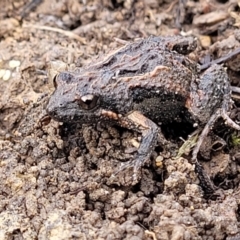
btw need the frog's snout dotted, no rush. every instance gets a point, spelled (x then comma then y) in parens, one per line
(54, 105)
(50, 108)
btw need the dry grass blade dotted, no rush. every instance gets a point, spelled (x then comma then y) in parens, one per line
(235, 89)
(188, 144)
(235, 92)
(58, 30)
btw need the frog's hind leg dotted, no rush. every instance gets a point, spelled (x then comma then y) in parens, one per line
(203, 177)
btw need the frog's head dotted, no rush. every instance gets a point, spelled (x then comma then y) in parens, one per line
(71, 101)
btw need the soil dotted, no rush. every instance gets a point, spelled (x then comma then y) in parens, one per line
(56, 178)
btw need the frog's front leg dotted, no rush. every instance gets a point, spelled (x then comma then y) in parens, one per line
(137, 121)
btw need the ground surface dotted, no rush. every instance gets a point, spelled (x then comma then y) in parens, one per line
(55, 178)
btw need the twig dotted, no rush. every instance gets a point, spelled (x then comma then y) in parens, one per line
(169, 9)
(235, 89)
(58, 30)
(222, 59)
(29, 7)
(121, 41)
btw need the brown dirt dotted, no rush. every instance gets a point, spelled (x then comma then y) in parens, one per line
(55, 177)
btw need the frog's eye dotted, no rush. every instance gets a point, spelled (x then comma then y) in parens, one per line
(88, 102)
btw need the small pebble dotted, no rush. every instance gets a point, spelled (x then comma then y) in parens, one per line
(2, 72)
(205, 41)
(6, 75)
(14, 63)
(158, 161)
(135, 143)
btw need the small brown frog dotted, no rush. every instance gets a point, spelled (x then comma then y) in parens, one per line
(143, 83)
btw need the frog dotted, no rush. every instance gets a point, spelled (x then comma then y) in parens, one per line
(142, 86)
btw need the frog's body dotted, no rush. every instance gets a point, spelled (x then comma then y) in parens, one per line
(141, 83)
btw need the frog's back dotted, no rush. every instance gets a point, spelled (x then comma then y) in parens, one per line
(138, 76)
(147, 64)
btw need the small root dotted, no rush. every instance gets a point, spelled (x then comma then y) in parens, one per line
(58, 30)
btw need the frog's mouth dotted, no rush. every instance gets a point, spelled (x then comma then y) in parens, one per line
(71, 112)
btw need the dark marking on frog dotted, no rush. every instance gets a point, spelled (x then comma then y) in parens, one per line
(144, 82)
